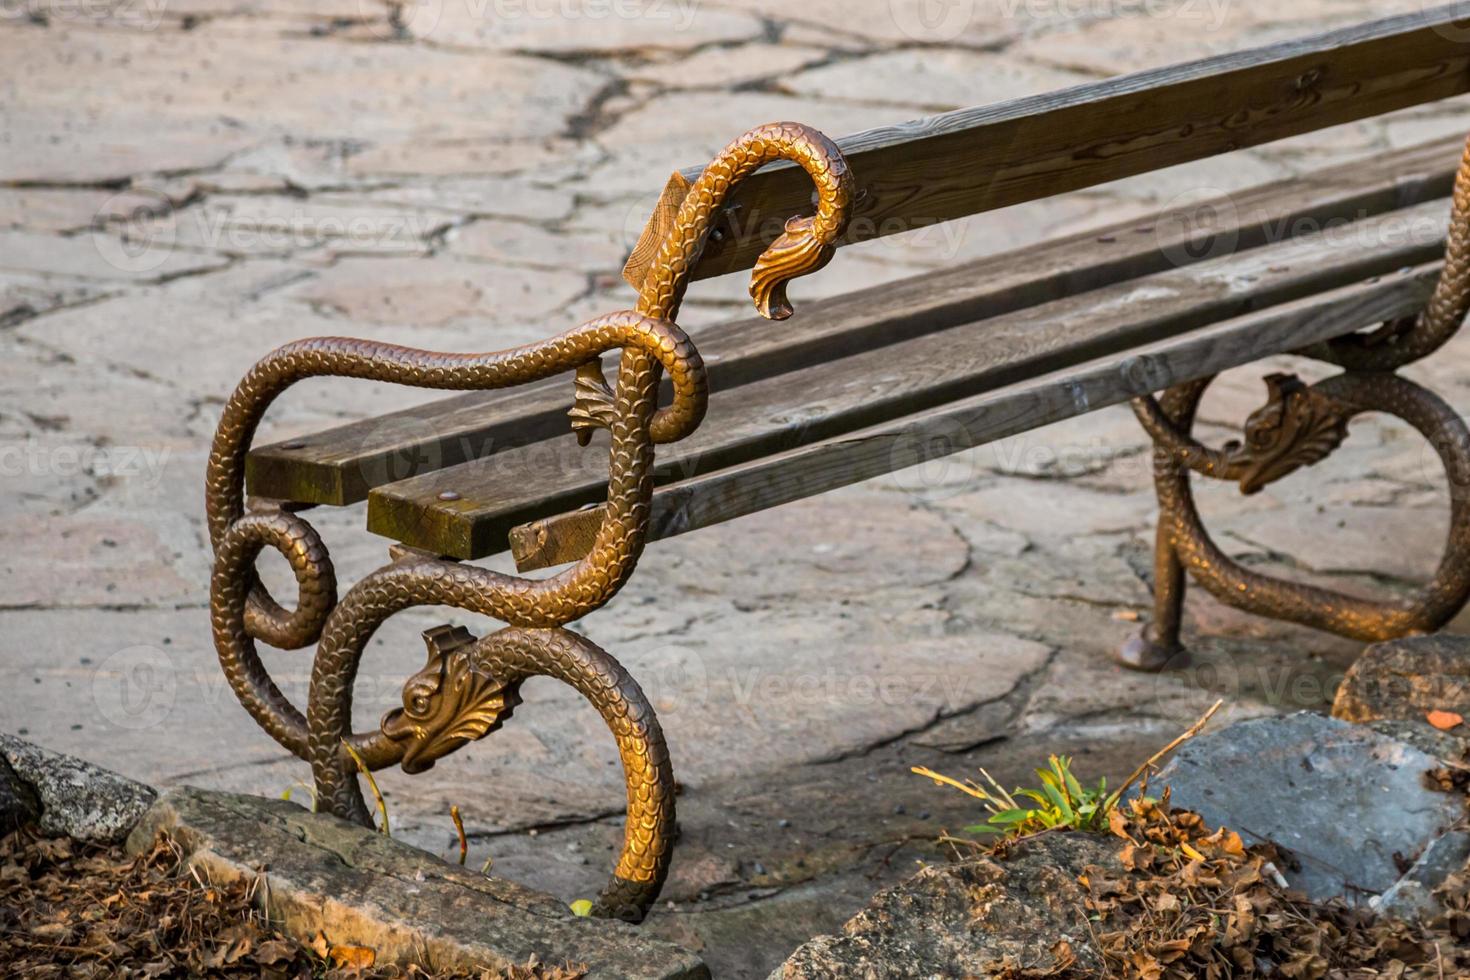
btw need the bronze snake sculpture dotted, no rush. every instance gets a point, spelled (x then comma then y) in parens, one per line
(1298, 426)
(469, 686)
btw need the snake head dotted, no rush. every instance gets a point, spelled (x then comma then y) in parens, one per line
(450, 702)
(1298, 426)
(803, 248)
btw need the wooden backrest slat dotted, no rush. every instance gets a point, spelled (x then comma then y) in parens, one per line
(972, 160)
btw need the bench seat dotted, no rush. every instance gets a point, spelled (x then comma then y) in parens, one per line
(981, 342)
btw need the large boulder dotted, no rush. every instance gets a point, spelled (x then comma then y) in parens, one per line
(969, 918)
(1405, 679)
(74, 798)
(18, 803)
(362, 888)
(1349, 803)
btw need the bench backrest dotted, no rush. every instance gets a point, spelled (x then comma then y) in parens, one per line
(964, 162)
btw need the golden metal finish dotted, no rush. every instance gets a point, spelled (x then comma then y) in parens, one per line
(1299, 425)
(452, 701)
(468, 687)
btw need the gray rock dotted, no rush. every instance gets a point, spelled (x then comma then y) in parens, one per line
(18, 804)
(1411, 897)
(1423, 736)
(1404, 679)
(362, 888)
(76, 798)
(1343, 799)
(967, 918)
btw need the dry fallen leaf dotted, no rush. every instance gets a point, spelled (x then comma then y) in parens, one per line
(1444, 720)
(353, 957)
(274, 951)
(150, 917)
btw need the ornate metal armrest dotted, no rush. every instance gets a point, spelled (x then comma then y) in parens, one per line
(469, 686)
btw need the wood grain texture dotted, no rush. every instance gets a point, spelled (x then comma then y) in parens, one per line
(964, 424)
(341, 465)
(491, 496)
(960, 163)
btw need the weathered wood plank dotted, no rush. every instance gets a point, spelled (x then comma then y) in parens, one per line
(960, 425)
(490, 496)
(341, 465)
(971, 160)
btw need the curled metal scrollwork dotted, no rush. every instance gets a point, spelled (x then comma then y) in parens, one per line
(468, 689)
(469, 686)
(1300, 425)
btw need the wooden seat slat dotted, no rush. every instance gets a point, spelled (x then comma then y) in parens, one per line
(490, 496)
(341, 465)
(1011, 410)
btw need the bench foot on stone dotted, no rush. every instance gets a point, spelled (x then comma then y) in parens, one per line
(318, 874)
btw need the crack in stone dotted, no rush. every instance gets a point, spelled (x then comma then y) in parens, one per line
(26, 313)
(1270, 555)
(550, 826)
(940, 715)
(231, 766)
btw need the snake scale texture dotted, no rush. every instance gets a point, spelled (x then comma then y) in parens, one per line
(1298, 426)
(468, 687)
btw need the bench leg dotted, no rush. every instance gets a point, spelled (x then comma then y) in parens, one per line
(468, 688)
(1298, 426)
(1156, 645)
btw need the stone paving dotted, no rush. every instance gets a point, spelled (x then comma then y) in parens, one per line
(185, 184)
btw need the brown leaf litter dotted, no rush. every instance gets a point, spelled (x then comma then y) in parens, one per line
(1195, 902)
(74, 910)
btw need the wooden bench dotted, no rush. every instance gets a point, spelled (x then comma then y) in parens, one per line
(758, 412)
